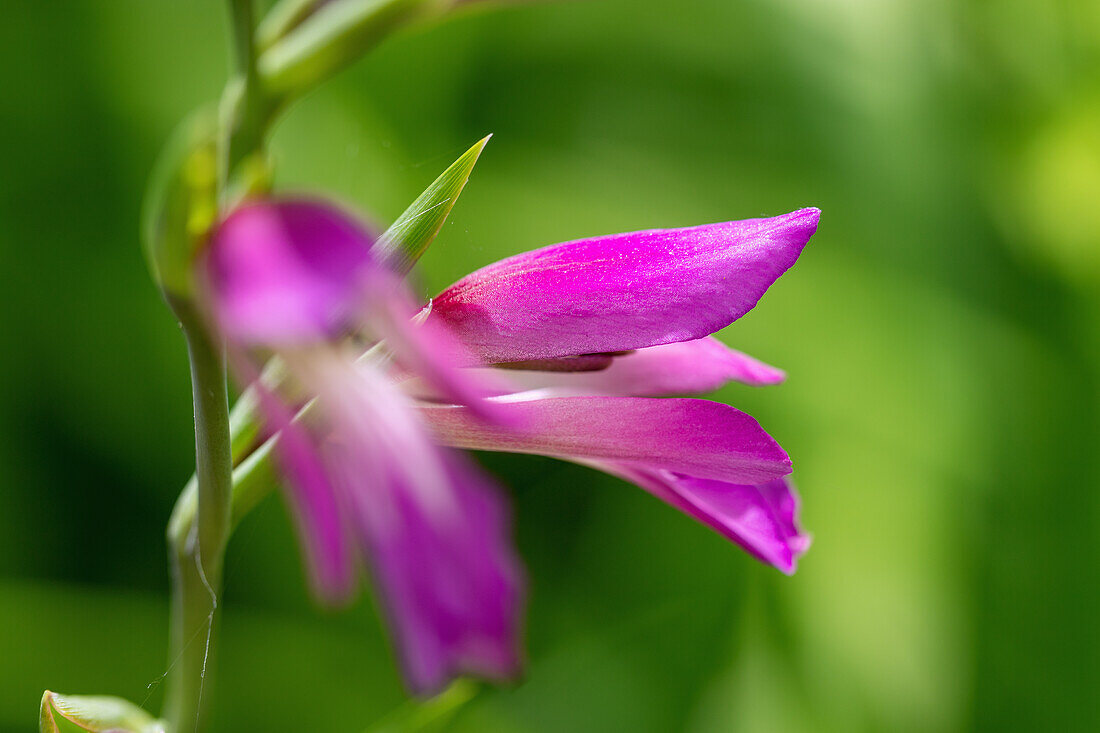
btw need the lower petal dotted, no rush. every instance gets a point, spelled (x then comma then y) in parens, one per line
(432, 529)
(449, 581)
(316, 506)
(690, 436)
(761, 518)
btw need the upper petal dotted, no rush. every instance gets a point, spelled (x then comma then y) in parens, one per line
(285, 271)
(624, 291)
(690, 436)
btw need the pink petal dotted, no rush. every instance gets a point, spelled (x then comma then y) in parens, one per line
(315, 504)
(286, 271)
(433, 530)
(450, 582)
(763, 519)
(694, 437)
(624, 291)
(686, 367)
(427, 350)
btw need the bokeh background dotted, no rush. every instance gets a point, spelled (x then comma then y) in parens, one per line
(940, 332)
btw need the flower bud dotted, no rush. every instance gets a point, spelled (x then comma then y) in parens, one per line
(74, 713)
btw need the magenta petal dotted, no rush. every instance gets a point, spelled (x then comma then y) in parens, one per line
(316, 508)
(687, 367)
(285, 271)
(317, 515)
(434, 532)
(690, 436)
(448, 579)
(429, 351)
(622, 292)
(763, 518)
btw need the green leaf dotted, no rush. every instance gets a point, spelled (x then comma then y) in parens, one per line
(80, 714)
(408, 237)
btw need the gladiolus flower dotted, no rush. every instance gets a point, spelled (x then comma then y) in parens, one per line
(647, 303)
(589, 333)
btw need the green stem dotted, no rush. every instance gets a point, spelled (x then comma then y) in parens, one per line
(284, 17)
(197, 549)
(253, 480)
(241, 18)
(197, 546)
(248, 109)
(247, 115)
(218, 496)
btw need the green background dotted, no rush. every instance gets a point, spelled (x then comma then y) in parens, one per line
(940, 334)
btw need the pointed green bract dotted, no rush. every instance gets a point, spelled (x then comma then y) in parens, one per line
(408, 237)
(80, 714)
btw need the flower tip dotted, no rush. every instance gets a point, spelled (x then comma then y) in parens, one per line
(780, 459)
(767, 375)
(791, 232)
(797, 546)
(476, 148)
(805, 219)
